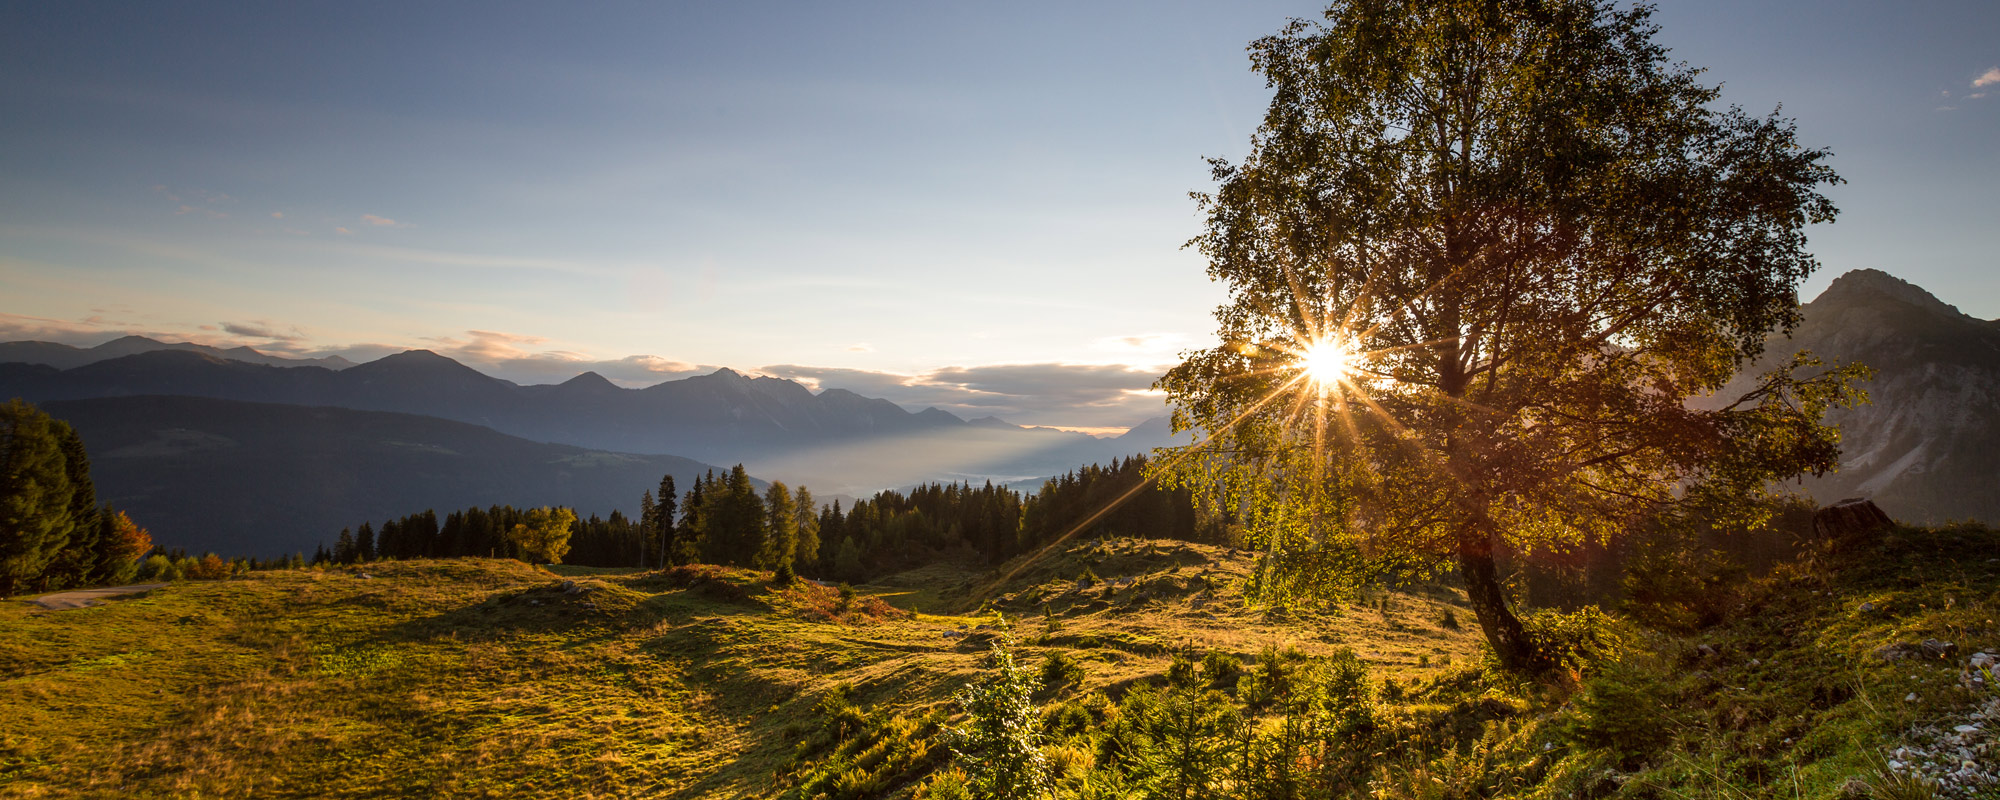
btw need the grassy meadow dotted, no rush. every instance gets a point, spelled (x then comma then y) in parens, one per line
(493, 678)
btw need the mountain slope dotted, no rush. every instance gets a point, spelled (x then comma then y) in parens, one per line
(1927, 446)
(266, 479)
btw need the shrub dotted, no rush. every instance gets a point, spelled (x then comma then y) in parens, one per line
(160, 568)
(1603, 718)
(999, 746)
(211, 567)
(1222, 669)
(1060, 673)
(1578, 641)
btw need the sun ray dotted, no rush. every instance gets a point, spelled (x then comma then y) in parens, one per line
(1143, 485)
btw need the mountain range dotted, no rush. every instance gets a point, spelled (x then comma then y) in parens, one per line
(835, 440)
(62, 356)
(183, 434)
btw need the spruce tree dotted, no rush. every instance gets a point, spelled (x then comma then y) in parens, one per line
(781, 528)
(1000, 745)
(805, 553)
(649, 519)
(665, 531)
(35, 495)
(693, 526)
(364, 544)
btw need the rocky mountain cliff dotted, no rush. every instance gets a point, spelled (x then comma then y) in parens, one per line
(1927, 446)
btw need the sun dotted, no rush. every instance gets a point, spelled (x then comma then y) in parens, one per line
(1326, 362)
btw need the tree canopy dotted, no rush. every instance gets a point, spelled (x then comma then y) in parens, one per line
(543, 534)
(1479, 258)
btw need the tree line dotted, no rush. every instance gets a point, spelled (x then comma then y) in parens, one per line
(724, 519)
(53, 534)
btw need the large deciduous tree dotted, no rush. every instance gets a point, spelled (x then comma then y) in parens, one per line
(1481, 254)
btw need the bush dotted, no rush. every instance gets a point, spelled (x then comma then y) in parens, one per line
(1603, 716)
(211, 567)
(160, 568)
(1060, 673)
(1222, 669)
(1578, 641)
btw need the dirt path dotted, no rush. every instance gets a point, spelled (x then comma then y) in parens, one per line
(90, 597)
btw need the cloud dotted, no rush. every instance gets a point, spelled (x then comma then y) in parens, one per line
(519, 358)
(1095, 396)
(383, 222)
(343, 231)
(261, 330)
(193, 201)
(277, 215)
(860, 348)
(1989, 78)
(98, 329)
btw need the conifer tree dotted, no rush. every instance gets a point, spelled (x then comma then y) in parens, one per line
(120, 545)
(343, 549)
(77, 564)
(36, 494)
(666, 532)
(649, 520)
(364, 544)
(781, 528)
(1000, 745)
(847, 561)
(806, 552)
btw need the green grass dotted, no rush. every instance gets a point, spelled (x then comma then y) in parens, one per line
(482, 678)
(474, 677)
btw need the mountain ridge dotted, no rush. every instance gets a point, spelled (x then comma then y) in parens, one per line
(836, 439)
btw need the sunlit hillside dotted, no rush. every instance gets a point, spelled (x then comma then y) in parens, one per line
(482, 678)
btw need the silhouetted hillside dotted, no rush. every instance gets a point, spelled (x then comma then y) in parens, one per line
(265, 479)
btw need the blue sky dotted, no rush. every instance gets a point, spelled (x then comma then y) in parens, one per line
(975, 206)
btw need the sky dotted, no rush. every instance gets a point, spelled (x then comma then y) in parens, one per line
(979, 207)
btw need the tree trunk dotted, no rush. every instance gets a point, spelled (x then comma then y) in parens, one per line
(1489, 602)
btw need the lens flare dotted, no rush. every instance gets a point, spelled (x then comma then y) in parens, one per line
(1327, 362)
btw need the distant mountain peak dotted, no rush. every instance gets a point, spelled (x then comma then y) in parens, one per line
(589, 380)
(1861, 284)
(415, 356)
(991, 421)
(935, 414)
